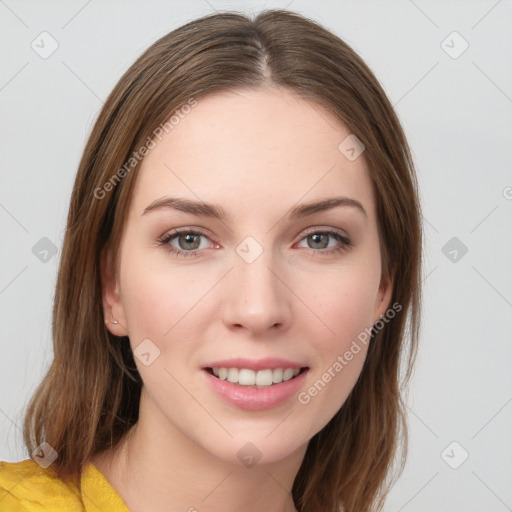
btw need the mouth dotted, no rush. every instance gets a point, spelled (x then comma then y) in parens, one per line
(251, 379)
(255, 385)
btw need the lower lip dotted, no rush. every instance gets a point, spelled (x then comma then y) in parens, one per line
(253, 399)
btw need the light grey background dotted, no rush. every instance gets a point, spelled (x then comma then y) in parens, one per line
(457, 116)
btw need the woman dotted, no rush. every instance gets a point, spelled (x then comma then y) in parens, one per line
(241, 257)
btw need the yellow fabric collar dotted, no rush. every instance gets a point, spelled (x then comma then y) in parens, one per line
(27, 487)
(98, 494)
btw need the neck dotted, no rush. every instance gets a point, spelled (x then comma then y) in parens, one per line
(156, 466)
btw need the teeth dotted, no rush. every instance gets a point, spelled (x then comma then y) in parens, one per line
(264, 378)
(288, 374)
(246, 377)
(233, 375)
(277, 375)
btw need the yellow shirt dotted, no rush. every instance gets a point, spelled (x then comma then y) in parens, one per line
(27, 487)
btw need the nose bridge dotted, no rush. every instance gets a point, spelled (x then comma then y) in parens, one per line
(257, 299)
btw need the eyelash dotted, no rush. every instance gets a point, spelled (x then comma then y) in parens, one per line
(166, 239)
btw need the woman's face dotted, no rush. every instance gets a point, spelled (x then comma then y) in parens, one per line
(264, 274)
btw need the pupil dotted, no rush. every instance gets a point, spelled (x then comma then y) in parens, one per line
(188, 239)
(316, 240)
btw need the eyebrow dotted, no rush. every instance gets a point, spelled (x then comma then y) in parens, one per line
(203, 209)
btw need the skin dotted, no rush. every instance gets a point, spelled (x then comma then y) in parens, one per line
(257, 154)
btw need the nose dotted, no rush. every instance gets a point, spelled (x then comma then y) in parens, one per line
(256, 297)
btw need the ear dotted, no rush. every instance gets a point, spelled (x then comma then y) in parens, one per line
(384, 295)
(112, 305)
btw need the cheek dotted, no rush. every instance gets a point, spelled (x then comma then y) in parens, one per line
(352, 310)
(344, 303)
(156, 299)
(347, 313)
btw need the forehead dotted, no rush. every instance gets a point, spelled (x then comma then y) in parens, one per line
(251, 149)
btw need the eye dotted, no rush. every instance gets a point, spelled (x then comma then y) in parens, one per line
(320, 241)
(188, 242)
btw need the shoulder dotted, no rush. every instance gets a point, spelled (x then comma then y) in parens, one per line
(27, 487)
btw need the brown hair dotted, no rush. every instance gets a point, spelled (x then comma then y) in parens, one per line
(90, 396)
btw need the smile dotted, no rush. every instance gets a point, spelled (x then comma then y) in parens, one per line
(255, 379)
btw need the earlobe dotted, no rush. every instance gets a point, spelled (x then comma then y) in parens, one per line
(112, 306)
(112, 319)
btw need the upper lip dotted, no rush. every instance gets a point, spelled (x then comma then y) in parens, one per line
(255, 364)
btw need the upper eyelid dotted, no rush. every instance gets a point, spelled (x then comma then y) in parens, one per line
(329, 230)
